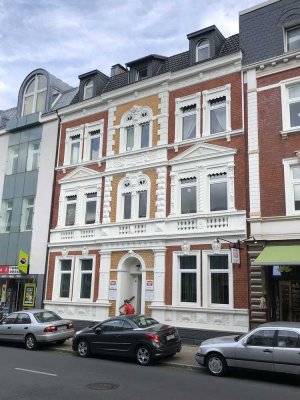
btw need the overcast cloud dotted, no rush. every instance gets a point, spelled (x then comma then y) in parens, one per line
(71, 37)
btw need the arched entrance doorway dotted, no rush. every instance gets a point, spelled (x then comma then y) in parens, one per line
(131, 281)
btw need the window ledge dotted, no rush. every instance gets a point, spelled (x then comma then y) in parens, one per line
(290, 131)
(207, 137)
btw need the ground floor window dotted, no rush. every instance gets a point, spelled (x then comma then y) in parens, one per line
(188, 279)
(86, 274)
(219, 279)
(65, 278)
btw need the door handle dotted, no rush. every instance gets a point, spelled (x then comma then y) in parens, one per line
(268, 351)
(26, 327)
(117, 336)
(9, 327)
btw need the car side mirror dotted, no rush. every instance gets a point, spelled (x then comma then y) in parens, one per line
(98, 330)
(244, 343)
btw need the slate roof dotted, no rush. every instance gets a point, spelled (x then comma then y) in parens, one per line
(65, 99)
(6, 115)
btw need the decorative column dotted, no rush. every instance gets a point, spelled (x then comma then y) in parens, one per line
(159, 276)
(104, 272)
(231, 197)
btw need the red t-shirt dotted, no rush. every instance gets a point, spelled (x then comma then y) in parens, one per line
(129, 309)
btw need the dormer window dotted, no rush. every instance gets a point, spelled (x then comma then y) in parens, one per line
(293, 38)
(35, 95)
(88, 90)
(142, 73)
(202, 50)
(55, 96)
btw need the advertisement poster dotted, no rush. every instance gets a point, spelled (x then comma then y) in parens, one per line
(3, 293)
(29, 294)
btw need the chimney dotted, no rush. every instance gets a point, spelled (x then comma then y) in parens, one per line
(117, 70)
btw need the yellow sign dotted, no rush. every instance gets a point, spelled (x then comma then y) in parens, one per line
(23, 262)
(29, 295)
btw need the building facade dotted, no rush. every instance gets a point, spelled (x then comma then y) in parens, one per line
(150, 191)
(270, 41)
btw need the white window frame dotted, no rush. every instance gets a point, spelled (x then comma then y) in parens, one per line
(57, 279)
(71, 133)
(202, 44)
(12, 154)
(77, 278)
(87, 86)
(180, 103)
(223, 178)
(134, 187)
(73, 201)
(136, 117)
(288, 164)
(87, 200)
(25, 207)
(88, 130)
(30, 154)
(285, 103)
(35, 93)
(176, 294)
(188, 184)
(286, 29)
(212, 94)
(206, 278)
(4, 211)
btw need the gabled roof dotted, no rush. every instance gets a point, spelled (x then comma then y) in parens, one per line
(6, 115)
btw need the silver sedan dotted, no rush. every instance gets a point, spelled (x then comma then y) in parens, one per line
(271, 347)
(34, 327)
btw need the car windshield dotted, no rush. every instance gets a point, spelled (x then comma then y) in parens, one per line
(239, 337)
(144, 322)
(46, 316)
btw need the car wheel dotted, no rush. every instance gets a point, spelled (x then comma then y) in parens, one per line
(62, 341)
(216, 364)
(83, 348)
(30, 342)
(143, 355)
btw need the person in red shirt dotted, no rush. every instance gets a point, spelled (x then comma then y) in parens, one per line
(128, 308)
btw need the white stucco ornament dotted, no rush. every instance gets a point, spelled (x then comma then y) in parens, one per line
(85, 251)
(64, 252)
(185, 247)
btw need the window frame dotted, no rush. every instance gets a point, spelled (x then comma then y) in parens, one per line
(209, 95)
(285, 104)
(4, 211)
(71, 201)
(57, 279)
(24, 215)
(286, 43)
(72, 133)
(78, 278)
(289, 183)
(87, 200)
(188, 184)
(10, 160)
(35, 94)
(201, 46)
(206, 273)
(176, 277)
(223, 178)
(180, 103)
(30, 155)
(88, 85)
(89, 128)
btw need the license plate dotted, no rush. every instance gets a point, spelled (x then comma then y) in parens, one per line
(170, 337)
(62, 328)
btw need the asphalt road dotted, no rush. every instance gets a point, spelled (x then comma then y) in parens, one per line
(46, 374)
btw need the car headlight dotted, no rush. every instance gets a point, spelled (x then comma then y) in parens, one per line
(200, 350)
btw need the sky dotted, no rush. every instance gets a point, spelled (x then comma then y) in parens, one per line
(71, 37)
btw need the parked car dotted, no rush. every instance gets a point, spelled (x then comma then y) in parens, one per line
(34, 327)
(133, 336)
(270, 347)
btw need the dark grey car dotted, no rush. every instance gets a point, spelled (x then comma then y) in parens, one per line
(271, 347)
(34, 327)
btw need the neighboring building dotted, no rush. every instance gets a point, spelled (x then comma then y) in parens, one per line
(151, 170)
(270, 42)
(28, 142)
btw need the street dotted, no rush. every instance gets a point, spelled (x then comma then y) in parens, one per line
(47, 374)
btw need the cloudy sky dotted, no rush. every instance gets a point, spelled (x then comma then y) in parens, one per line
(71, 37)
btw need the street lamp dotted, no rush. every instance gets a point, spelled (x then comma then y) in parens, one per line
(216, 245)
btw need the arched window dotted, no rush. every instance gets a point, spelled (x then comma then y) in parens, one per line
(35, 95)
(136, 129)
(88, 90)
(134, 195)
(202, 50)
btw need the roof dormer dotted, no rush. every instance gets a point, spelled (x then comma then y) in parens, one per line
(145, 67)
(205, 44)
(91, 84)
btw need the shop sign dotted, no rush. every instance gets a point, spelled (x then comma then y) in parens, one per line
(9, 270)
(149, 284)
(235, 256)
(113, 284)
(29, 294)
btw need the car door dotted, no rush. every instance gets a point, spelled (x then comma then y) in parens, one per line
(107, 341)
(124, 337)
(256, 351)
(287, 352)
(21, 326)
(6, 327)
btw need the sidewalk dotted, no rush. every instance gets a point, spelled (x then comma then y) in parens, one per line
(184, 359)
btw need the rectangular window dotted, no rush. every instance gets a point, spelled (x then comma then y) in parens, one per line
(218, 115)
(95, 147)
(296, 186)
(219, 279)
(142, 204)
(71, 210)
(142, 73)
(294, 105)
(7, 207)
(188, 279)
(86, 274)
(75, 148)
(27, 214)
(188, 195)
(33, 156)
(145, 135)
(12, 160)
(65, 278)
(293, 38)
(188, 122)
(91, 204)
(127, 205)
(130, 138)
(218, 192)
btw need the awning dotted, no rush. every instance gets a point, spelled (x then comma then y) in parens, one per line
(279, 255)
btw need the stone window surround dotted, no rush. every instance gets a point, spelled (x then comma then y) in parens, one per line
(285, 111)
(288, 183)
(186, 101)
